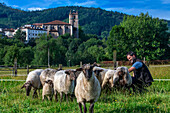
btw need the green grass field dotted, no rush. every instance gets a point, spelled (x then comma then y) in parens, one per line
(155, 100)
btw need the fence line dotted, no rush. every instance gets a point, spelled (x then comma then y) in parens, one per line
(159, 66)
(10, 80)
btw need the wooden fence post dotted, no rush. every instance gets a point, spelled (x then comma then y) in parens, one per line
(60, 66)
(114, 59)
(81, 64)
(27, 69)
(15, 67)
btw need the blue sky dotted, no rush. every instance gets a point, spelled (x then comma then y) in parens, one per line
(155, 8)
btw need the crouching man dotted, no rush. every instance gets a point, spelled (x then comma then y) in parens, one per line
(141, 77)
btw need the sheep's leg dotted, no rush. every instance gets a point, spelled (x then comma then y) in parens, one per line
(91, 107)
(51, 97)
(67, 98)
(80, 106)
(61, 96)
(42, 97)
(39, 92)
(35, 93)
(56, 96)
(71, 97)
(48, 97)
(84, 105)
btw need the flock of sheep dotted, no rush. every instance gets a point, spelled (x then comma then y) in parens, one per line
(85, 82)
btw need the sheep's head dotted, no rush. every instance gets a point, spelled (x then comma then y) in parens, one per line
(28, 87)
(50, 83)
(87, 70)
(71, 73)
(122, 74)
(97, 71)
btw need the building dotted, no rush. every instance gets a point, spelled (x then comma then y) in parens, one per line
(9, 32)
(54, 28)
(57, 28)
(32, 33)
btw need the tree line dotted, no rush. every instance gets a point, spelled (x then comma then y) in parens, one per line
(146, 36)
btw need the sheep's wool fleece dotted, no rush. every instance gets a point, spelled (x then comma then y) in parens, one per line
(62, 82)
(47, 89)
(34, 77)
(87, 90)
(47, 74)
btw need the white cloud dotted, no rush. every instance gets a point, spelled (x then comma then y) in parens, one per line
(87, 3)
(165, 1)
(15, 6)
(162, 14)
(35, 8)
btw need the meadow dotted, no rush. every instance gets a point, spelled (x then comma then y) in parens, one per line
(155, 99)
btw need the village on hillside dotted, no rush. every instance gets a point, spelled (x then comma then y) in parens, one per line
(54, 28)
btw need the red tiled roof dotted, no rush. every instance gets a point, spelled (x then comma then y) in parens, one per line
(38, 24)
(56, 22)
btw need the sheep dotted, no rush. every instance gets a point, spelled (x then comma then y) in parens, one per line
(33, 80)
(88, 88)
(122, 77)
(108, 78)
(64, 83)
(48, 90)
(47, 74)
(100, 73)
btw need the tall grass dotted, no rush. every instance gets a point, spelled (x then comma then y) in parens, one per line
(156, 99)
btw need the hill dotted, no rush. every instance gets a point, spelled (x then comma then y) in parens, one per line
(92, 20)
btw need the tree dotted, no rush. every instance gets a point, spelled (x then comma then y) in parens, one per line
(72, 49)
(20, 35)
(143, 34)
(56, 49)
(12, 53)
(26, 56)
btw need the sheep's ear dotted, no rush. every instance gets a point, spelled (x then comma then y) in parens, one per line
(101, 70)
(95, 64)
(79, 69)
(67, 72)
(23, 86)
(46, 81)
(59, 69)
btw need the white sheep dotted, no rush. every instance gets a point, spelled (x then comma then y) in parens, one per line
(48, 90)
(33, 80)
(100, 73)
(108, 78)
(47, 74)
(64, 82)
(122, 77)
(88, 88)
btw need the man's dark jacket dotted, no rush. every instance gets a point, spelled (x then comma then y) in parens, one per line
(143, 74)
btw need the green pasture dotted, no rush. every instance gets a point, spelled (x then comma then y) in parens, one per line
(155, 100)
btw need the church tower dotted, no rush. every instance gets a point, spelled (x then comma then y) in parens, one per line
(73, 20)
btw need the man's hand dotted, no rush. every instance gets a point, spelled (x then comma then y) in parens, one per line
(131, 69)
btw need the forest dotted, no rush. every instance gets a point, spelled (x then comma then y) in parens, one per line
(100, 34)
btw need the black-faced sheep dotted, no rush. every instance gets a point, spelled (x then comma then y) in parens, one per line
(88, 88)
(33, 80)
